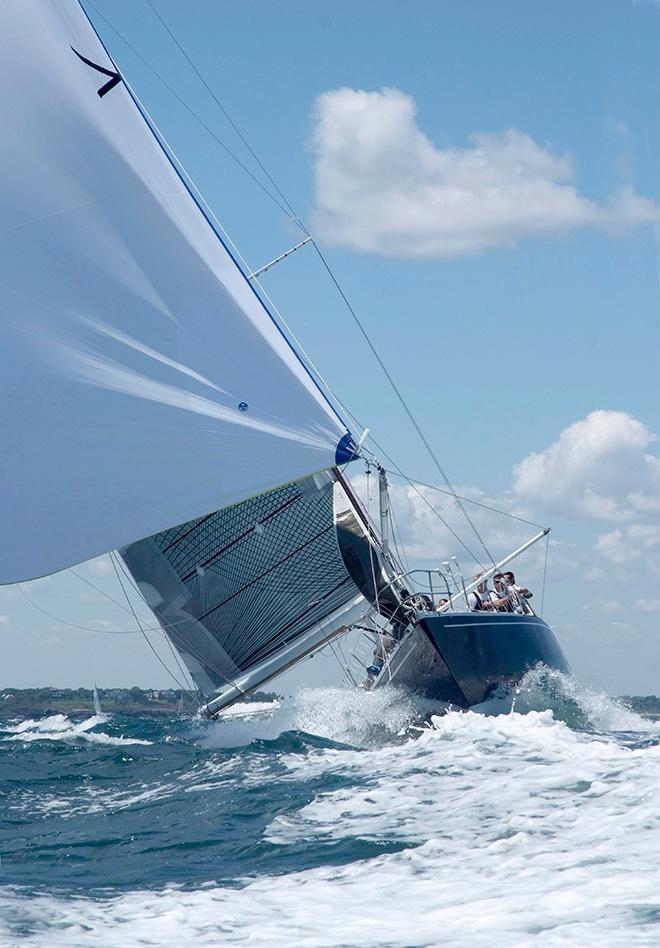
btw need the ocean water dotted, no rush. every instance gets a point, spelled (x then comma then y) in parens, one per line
(336, 818)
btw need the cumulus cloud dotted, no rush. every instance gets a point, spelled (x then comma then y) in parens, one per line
(598, 468)
(382, 186)
(622, 546)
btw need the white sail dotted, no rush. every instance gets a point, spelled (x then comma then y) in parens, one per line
(97, 701)
(143, 382)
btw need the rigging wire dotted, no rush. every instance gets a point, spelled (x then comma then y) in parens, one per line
(88, 628)
(399, 548)
(467, 500)
(222, 108)
(196, 653)
(74, 625)
(188, 108)
(139, 592)
(321, 256)
(98, 589)
(400, 397)
(428, 503)
(144, 634)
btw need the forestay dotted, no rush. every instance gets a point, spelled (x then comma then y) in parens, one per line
(143, 382)
(247, 590)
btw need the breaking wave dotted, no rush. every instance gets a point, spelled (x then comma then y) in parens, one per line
(59, 727)
(570, 701)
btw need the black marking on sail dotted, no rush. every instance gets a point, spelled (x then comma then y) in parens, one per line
(115, 78)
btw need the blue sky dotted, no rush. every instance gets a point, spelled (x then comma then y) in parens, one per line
(484, 178)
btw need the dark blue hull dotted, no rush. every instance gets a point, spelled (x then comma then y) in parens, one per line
(462, 658)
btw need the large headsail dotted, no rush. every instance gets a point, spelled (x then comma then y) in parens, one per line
(247, 591)
(143, 382)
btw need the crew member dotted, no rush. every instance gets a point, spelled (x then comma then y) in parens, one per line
(518, 594)
(479, 599)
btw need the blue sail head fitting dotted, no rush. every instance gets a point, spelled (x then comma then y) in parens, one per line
(346, 449)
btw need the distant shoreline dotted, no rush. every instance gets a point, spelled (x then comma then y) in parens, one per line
(35, 702)
(155, 702)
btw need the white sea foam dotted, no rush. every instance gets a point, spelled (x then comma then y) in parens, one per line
(346, 715)
(251, 708)
(545, 688)
(515, 829)
(58, 727)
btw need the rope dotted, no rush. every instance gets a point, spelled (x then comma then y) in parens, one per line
(222, 108)
(545, 571)
(137, 589)
(188, 108)
(83, 628)
(144, 634)
(400, 551)
(401, 399)
(468, 500)
(203, 660)
(101, 592)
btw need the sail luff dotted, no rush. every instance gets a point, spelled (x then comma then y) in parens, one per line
(192, 191)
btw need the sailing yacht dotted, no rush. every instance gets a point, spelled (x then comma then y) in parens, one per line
(156, 407)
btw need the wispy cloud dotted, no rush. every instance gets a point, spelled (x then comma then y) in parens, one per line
(382, 186)
(647, 605)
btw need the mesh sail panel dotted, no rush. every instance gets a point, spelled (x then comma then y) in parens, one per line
(234, 587)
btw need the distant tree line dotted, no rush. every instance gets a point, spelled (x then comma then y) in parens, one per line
(39, 701)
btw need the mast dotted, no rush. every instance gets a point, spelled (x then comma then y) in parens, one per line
(384, 508)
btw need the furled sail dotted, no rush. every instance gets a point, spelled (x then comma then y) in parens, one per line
(143, 382)
(246, 591)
